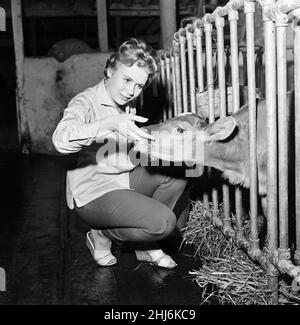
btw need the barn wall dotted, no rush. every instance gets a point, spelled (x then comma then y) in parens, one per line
(48, 87)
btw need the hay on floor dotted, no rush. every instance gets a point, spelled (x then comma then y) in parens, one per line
(227, 276)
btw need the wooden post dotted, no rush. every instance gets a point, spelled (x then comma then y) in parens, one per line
(2, 279)
(102, 25)
(168, 23)
(2, 20)
(17, 24)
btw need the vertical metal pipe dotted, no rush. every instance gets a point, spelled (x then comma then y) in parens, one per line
(200, 80)
(209, 70)
(297, 133)
(233, 17)
(189, 37)
(205, 199)
(169, 85)
(199, 61)
(271, 110)
(163, 85)
(182, 42)
(176, 51)
(220, 23)
(271, 114)
(249, 9)
(281, 27)
(175, 98)
(210, 86)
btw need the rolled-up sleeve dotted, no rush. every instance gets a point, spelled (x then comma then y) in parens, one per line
(75, 130)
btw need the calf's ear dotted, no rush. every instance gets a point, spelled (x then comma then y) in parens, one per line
(221, 129)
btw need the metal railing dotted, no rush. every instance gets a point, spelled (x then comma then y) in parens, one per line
(189, 70)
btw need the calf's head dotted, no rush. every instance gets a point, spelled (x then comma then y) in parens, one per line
(183, 138)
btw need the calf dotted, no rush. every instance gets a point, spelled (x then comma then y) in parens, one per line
(224, 143)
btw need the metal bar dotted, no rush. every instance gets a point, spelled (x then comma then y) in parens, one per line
(255, 255)
(284, 6)
(249, 9)
(271, 113)
(271, 110)
(163, 84)
(209, 70)
(220, 23)
(199, 58)
(235, 4)
(200, 82)
(222, 11)
(182, 42)
(265, 260)
(210, 87)
(176, 52)
(281, 27)
(169, 85)
(175, 97)
(280, 7)
(190, 40)
(297, 133)
(233, 18)
(276, 257)
(205, 198)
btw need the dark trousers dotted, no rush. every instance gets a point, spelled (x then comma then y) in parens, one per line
(140, 215)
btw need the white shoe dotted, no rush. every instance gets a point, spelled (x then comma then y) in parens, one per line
(156, 257)
(103, 257)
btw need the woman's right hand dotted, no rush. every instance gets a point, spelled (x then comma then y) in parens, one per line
(125, 126)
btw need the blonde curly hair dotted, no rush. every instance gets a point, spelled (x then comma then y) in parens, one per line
(135, 51)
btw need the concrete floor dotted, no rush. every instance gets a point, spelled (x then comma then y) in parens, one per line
(42, 248)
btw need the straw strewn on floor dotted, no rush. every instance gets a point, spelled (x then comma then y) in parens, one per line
(227, 276)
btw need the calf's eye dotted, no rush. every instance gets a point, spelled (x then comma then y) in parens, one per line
(180, 130)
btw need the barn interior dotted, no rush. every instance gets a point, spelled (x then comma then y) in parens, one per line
(49, 52)
(42, 246)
